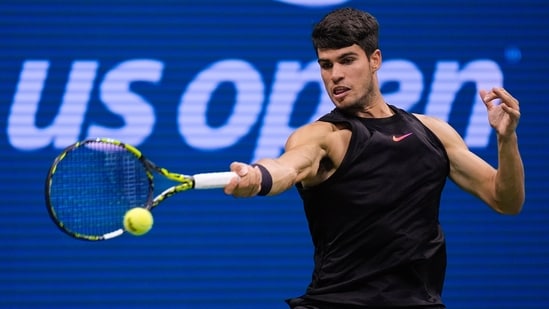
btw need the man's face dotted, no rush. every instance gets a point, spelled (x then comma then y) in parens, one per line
(348, 75)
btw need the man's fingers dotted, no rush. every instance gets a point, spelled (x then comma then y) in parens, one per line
(507, 98)
(241, 169)
(513, 112)
(487, 98)
(247, 184)
(499, 93)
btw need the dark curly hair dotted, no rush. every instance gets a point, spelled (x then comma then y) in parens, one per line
(345, 27)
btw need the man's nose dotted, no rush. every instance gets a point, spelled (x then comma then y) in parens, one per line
(337, 73)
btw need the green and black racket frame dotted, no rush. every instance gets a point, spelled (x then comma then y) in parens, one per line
(93, 183)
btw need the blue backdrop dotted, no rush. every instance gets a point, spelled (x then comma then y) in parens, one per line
(198, 85)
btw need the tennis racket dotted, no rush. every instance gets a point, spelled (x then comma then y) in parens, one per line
(93, 183)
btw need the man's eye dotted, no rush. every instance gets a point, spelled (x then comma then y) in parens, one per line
(326, 66)
(347, 60)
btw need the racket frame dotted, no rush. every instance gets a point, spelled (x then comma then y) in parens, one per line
(184, 183)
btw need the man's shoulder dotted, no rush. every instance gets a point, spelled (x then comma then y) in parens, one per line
(433, 123)
(316, 128)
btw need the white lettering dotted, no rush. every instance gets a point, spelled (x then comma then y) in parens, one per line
(192, 118)
(137, 113)
(409, 79)
(448, 80)
(22, 131)
(289, 80)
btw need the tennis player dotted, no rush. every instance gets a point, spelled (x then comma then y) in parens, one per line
(371, 175)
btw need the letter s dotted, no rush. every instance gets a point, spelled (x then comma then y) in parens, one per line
(138, 114)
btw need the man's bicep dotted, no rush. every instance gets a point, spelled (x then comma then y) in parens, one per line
(304, 159)
(306, 148)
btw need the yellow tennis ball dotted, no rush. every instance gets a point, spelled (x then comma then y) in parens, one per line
(138, 221)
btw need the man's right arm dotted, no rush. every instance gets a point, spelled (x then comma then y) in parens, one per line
(304, 150)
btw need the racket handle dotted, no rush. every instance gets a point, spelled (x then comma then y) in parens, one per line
(213, 180)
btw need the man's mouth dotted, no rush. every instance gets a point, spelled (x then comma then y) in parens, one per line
(340, 91)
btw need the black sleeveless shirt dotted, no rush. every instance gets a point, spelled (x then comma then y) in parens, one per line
(374, 222)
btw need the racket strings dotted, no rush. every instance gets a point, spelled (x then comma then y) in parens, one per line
(94, 185)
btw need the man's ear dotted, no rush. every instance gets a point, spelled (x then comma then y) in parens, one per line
(375, 59)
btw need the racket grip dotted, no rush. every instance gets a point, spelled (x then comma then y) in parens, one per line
(212, 180)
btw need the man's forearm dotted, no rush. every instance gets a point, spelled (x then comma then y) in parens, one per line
(510, 192)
